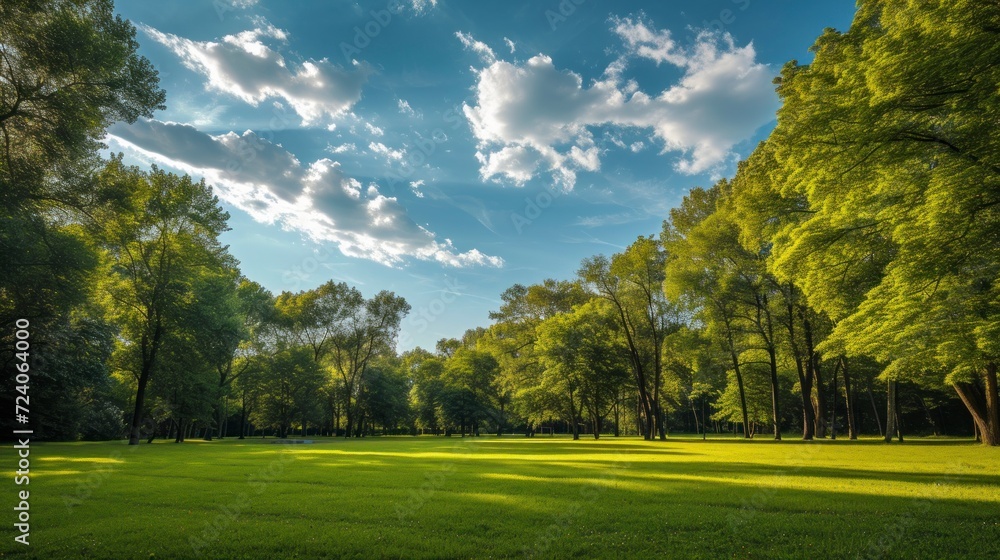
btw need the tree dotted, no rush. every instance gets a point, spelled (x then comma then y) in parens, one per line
(632, 281)
(368, 330)
(68, 69)
(163, 235)
(583, 358)
(385, 396)
(512, 338)
(700, 278)
(885, 135)
(289, 390)
(425, 371)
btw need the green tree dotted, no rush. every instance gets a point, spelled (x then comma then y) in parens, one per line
(583, 356)
(887, 135)
(163, 236)
(289, 391)
(632, 281)
(512, 338)
(68, 69)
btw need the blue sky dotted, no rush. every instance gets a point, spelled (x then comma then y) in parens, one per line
(446, 150)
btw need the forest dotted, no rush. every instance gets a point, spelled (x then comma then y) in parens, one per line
(842, 283)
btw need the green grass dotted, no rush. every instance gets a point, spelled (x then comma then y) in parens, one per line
(544, 497)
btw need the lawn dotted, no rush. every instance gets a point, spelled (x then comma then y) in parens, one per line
(436, 497)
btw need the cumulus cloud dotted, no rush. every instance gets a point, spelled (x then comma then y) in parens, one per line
(246, 66)
(535, 118)
(317, 199)
(388, 153)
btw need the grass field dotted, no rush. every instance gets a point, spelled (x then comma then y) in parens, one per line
(506, 497)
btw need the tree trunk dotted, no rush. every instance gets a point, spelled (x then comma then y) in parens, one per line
(140, 397)
(808, 412)
(694, 413)
(992, 406)
(243, 422)
(849, 397)
(871, 397)
(775, 413)
(833, 406)
(617, 417)
(743, 395)
(813, 371)
(891, 417)
(984, 405)
(928, 414)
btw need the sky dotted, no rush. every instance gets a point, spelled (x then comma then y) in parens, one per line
(446, 150)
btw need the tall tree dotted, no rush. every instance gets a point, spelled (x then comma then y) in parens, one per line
(884, 133)
(368, 330)
(632, 281)
(163, 235)
(68, 69)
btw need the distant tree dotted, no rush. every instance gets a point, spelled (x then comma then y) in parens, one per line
(289, 391)
(512, 338)
(632, 281)
(584, 361)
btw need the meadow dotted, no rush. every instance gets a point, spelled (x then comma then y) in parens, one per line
(489, 497)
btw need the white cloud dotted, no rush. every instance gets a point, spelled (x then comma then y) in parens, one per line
(637, 147)
(245, 66)
(317, 199)
(533, 117)
(485, 53)
(405, 109)
(374, 130)
(415, 187)
(421, 6)
(342, 149)
(510, 44)
(646, 42)
(386, 152)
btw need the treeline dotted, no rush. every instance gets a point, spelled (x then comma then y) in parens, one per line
(843, 282)
(857, 248)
